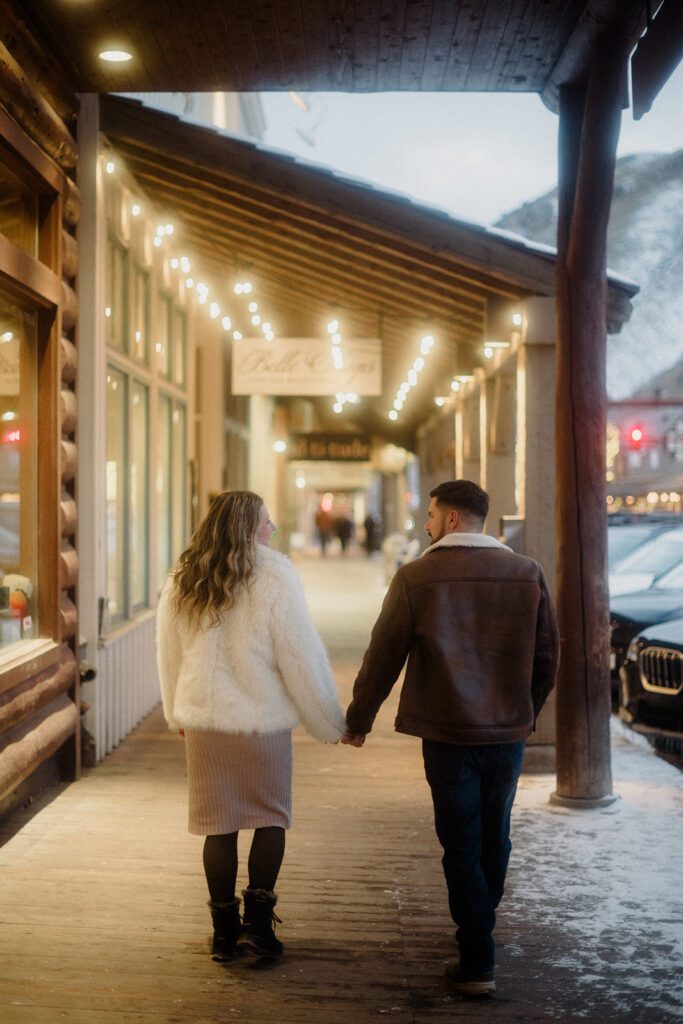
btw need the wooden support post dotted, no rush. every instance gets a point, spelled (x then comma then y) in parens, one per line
(589, 128)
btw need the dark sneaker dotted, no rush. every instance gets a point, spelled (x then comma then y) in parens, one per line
(469, 982)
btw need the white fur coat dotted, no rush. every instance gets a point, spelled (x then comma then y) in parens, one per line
(262, 668)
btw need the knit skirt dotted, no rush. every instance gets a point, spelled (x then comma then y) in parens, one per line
(238, 780)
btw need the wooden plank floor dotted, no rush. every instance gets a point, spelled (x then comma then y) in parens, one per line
(103, 916)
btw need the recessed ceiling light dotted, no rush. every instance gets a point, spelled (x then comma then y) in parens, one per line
(116, 56)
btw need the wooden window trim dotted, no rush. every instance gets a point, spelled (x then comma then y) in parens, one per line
(23, 156)
(27, 277)
(27, 658)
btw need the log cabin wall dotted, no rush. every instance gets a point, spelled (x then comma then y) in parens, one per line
(39, 213)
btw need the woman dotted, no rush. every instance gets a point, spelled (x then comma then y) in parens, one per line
(240, 665)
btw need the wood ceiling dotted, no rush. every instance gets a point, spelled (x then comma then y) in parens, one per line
(320, 245)
(319, 45)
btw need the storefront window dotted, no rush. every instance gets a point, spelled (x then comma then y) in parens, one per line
(116, 494)
(140, 342)
(163, 489)
(179, 346)
(178, 430)
(18, 471)
(171, 485)
(18, 212)
(163, 343)
(139, 446)
(116, 307)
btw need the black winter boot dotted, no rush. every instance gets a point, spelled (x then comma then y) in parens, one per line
(257, 927)
(226, 929)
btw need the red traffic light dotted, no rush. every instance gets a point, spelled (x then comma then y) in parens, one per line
(635, 437)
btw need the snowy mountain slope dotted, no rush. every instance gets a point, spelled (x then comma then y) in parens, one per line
(645, 243)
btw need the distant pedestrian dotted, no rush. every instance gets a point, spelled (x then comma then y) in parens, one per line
(477, 625)
(324, 527)
(240, 665)
(343, 528)
(373, 533)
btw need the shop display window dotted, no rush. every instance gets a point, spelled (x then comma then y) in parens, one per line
(116, 495)
(18, 471)
(116, 301)
(179, 347)
(139, 505)
(140, 338)
(171, 484)
(164, 345)
(163, 489)
(179, 443)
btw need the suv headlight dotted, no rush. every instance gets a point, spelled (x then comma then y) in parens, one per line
(633, 649)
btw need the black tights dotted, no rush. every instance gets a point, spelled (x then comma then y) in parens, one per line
(265, 859)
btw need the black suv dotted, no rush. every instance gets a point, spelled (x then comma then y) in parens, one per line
(651, 681)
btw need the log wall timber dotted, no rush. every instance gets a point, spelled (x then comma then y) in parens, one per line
(23, 749)
(589, 129)
(39, 697)
(34, 113)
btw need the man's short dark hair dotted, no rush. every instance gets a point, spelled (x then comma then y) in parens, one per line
(463, 495)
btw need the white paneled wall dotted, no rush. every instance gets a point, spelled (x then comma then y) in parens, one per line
(127, 685)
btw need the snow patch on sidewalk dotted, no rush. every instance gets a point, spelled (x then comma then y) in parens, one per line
(605, 886)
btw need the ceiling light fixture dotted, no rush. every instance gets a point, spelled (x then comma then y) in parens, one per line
(115, 56)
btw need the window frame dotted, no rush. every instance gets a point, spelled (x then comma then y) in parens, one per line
(36, 281)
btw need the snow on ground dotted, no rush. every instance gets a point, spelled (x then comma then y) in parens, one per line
(612, 884)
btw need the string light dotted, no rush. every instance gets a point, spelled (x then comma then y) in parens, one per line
(426, 346)
(243, 286)
(491, 346)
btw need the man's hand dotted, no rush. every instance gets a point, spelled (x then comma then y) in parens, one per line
(353, 739)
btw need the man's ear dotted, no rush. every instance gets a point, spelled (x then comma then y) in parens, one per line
(453, 518)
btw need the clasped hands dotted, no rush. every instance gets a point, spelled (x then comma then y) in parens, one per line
(353, 739)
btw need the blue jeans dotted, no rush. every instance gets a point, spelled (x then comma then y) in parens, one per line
(473, 789)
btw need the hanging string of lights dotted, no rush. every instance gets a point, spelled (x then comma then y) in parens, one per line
(426, 346)
(214, 308)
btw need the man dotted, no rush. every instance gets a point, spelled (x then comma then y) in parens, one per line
(477, 625)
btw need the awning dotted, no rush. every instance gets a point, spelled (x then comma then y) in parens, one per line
(323, 245)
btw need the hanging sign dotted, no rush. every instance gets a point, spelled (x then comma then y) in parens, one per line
(303, 366)
(329, 447)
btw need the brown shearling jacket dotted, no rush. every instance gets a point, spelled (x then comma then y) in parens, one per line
(477, 625)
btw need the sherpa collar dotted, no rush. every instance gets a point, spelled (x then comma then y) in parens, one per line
(466, 540)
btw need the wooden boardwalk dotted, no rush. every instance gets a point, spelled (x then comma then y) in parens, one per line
(103, 916)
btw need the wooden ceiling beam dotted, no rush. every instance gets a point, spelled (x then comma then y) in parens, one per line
(166, 190)
(337, 281)
(442, 241)
(156, 174)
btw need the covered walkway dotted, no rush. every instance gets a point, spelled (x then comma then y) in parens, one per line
(103, 916)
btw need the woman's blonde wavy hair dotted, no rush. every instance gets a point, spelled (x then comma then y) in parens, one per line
(220, 558)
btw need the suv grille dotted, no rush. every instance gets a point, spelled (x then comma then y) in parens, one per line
(661, 670)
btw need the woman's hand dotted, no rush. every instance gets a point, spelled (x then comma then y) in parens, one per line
(353, 739)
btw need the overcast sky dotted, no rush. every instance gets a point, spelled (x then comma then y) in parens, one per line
(477, 155)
